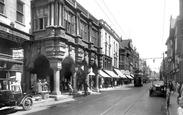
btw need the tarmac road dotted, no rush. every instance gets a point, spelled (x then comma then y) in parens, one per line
(126, 100)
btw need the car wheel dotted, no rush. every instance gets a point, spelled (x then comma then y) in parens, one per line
(27, 103)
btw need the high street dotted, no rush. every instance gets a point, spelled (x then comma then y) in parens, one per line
(125, 100)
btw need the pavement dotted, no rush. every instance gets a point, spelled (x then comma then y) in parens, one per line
(173, 104)
(66, 97)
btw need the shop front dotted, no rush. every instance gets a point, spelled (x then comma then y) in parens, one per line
(10, 71)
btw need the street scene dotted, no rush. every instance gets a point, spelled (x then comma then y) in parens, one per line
(100, 57)
(125, 100)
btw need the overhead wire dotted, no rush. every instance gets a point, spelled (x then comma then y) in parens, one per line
(114, 18)
(107, 16)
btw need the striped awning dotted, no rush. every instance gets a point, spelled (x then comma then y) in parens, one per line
(111, 73)
(103, 74)
(119, 73)
(128, 76)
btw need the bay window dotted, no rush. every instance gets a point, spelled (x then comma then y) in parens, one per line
(40, 18)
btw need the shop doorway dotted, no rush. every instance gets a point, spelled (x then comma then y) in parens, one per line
(67, 72)
(42, 72)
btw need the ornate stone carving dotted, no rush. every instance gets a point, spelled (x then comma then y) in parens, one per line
(80, 54)
(60, 33)
(50, 32)
(55, 49)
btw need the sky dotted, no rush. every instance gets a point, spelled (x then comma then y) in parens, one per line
(146, 22)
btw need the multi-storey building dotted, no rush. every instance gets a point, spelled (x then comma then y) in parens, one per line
(170, 50)
(110, 50)
(66, 43)
(135, 56)
(14, 30)
(126, 56)
(176, 43)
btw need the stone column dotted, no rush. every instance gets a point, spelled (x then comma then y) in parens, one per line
(48, 23)
(97, 81)
(60, 14)
(75, 83)
(55, 64)
(56, 79)
(52, 14)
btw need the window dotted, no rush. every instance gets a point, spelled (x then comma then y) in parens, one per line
(105, 37)
(40, 18)
(69, 22)
(20, 11)
(2, 5)
(109, 46)
(84, 31)
(94, 37)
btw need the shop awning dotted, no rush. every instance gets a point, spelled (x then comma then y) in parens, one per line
(132, 75)
(111, 73)
(128, 76)
(11, 60)
(119, 73)
(103, 74)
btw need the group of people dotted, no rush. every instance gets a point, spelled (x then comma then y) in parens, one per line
(85, 88)
(39, 86)
(180, 99)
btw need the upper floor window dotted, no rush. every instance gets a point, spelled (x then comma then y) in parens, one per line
(2, 5)
(94, 37)
(40, 18)
(105, 37)
(84, 31)
(20, 11)
(69, 22)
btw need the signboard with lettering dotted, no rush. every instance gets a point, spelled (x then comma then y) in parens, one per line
(18, 54)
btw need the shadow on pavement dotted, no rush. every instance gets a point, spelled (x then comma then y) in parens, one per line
(8, 111)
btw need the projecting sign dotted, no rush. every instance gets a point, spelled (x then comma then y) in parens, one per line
(18, 54)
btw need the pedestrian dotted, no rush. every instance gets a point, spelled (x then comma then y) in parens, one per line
(70, 88)
(39, 87)
(180, 108)
(85, 87)
(45, 85)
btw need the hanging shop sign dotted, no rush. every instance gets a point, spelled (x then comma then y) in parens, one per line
(18, 54)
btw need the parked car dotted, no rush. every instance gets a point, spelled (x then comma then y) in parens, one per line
(157, 88)
(15, 97)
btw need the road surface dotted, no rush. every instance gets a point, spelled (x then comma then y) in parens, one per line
(126, 100)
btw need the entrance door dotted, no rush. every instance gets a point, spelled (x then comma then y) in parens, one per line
(66, 73)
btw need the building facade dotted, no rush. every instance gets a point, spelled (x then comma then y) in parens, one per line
(126, 55)
(170, 51)
(66, 45)
(14, 30)
(110, 52)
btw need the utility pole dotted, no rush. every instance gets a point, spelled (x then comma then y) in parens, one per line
(164, 68)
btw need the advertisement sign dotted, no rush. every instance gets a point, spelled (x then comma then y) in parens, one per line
(18, 54)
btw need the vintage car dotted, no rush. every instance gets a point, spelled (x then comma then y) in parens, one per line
(15, 97)
(157, 88)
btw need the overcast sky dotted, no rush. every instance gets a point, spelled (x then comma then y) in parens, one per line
(146, 22)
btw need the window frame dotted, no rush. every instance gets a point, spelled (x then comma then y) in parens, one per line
(84, 31)
(69, 22)
(21, 13)
(94, 37)
(3, 8)
(37, 19)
